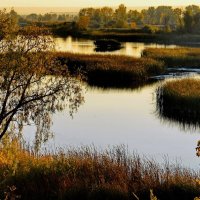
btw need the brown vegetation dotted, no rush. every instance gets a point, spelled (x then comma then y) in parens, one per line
(86, 173)
(112, 69)
(179, 101)
(177, 57)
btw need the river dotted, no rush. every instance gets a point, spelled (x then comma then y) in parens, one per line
(127, 117)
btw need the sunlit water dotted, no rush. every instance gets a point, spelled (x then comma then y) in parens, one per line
(85, 46)
(121, 116)
(114, 117)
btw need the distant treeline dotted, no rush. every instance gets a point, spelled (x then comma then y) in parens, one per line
(48, 17)
(153, 19)
(165, 18)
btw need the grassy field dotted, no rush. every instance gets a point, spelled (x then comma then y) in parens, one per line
(177, 57)
(89, 174)
(179, 100)
(112, 70)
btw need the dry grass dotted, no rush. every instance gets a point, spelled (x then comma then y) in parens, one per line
(111, 69)
(86, 173)
(185, 91)
(177, 57)
(179, 101)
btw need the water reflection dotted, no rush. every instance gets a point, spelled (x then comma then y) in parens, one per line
(118, 84)
(187, 118)
(198, 148)
(76, 45)
(34, 100)
(107, 49)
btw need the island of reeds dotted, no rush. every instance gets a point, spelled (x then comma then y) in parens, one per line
(111, 70)
(179, 100)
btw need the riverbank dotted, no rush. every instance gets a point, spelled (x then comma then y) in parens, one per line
(111, 70)
(89, 174)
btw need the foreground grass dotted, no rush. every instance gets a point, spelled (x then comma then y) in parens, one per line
(177, 57)
(111, 69)
(179, 100)
(86, 173)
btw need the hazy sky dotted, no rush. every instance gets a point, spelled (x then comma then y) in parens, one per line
(92, 3)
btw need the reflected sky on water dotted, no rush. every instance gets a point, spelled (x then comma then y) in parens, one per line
(121, 116)
(86, 46)
(113, 117)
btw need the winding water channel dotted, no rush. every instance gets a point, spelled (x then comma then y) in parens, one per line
(122, 116)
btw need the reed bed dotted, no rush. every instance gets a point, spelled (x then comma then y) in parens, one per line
(112, 69)
(177, 57)
(88, 173)
(179, 100)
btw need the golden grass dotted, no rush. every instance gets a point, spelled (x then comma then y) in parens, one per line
(86, 173)
(111, 62)
(187, 88)
(111, 68)
(178, 101)
(177, 57)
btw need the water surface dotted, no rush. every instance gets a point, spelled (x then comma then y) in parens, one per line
(125, 116)
(122, 116)
(87, 46)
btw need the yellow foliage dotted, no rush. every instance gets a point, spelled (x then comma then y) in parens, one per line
(152, 196)
(83, 22)
(133, 25)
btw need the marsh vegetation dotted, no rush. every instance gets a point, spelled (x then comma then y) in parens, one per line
(110, 69)
(177, 57)
(179, 100)
(88, 173)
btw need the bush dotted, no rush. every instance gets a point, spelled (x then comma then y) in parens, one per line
(150, 29)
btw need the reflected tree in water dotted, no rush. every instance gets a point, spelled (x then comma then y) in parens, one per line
(176, 112)
(198, 149)
(32, 84)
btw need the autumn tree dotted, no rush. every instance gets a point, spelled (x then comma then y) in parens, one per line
(193, 9)
(178, 20)
(8, 23)
(121, 16)
(83, 22)
(133, 25)
(188, 21)
(107, 15)
(134, 16)
(191, 19)
(149, 15)
(29, 92)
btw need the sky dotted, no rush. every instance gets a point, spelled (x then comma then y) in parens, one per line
(94, 3)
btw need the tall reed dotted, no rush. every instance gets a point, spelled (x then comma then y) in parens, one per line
(112, 69)
(177, 57)
(88, 173)
(179, 101)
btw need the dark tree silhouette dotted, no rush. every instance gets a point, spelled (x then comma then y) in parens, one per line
(28, 92)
